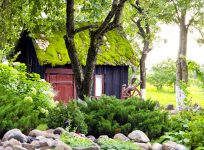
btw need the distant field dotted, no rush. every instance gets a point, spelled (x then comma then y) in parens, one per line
(167, 95)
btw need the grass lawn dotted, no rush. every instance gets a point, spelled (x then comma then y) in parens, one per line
(167, 95)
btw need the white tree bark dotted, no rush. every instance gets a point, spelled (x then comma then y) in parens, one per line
(143, 93)
(180, 96)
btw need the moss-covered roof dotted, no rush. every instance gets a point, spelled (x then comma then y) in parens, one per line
(116, 49)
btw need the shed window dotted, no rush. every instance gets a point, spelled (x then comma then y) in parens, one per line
(98, 85)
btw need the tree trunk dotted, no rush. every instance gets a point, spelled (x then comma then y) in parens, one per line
(90, 67)
(69, 42)
(143, 69)
(181, 64)
(84, 80)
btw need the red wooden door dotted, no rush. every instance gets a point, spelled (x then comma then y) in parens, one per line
(63, 82)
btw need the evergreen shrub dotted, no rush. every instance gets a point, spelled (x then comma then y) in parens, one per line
(109, 115)
(24, 98)
(67, 116)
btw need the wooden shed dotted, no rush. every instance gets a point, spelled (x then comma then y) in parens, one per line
(49, 58)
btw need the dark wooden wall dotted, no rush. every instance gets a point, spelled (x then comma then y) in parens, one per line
(28, 55)
(114, 76)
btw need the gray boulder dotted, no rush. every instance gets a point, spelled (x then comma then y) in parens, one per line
(19, 148)
(91, 137)
(12, 143)
(62, 146)
(156, 146)
(120, 136)
(144, 146)
(15, 134)
(169, 145)
(138, 136)
(173, 146)
(103, 137)
(29, 146)
(36, 133)
(88, 148)
(58, 130)
(180, 147)
(169, 107)
(8, 148)
(1, 148)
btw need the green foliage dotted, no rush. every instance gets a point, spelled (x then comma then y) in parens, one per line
(107, 144)
(197, 71)
(109, 115)
(24, 98)
(116, 50)
(92, 10)
(42, 127)
(59, 115)
(187, 128)
(74, 140)
(163, 73)
(31, 16)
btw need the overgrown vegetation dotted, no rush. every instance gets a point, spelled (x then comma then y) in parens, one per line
(109, 115)
(115, 50)
(75, 140)
(24, 98)
(107, 144)
(67, 116)
(187, 128)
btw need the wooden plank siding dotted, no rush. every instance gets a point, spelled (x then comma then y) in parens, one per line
(114, 78)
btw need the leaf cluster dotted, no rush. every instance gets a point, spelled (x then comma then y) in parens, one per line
(24, 98)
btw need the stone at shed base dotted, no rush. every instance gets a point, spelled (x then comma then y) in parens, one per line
(138, 136)
(120, 136)
(15, 134)
(144, 146)
(156, 146)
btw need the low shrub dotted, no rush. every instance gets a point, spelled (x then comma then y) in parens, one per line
(74, 140)
(109, 115)
(187, 128)
(67, 116)
(107, 144)
(24, 98)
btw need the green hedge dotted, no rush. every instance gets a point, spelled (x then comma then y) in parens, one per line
(109, 115)
(24, 98)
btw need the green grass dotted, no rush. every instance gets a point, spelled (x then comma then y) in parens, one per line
(167, 95)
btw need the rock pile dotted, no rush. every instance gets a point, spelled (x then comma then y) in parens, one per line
(50, 139)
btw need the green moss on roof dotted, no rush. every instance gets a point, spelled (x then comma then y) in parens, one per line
(116, 50)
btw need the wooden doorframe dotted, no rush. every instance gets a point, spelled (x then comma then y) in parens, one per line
(58, 71)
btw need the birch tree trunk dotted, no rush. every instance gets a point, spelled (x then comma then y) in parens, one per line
(143, 69)
(181, 64)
